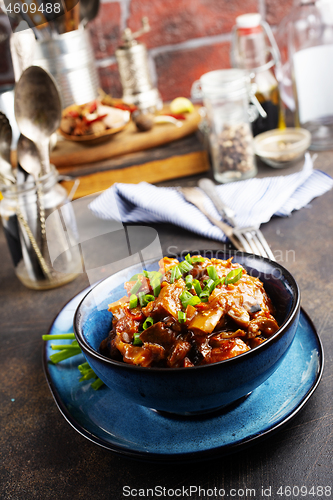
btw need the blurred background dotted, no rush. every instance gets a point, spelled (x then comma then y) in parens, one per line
(187, 38)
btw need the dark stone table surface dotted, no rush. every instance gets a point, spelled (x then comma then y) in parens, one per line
(43, 457)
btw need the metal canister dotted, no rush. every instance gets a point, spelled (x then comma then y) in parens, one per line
(70, 59)
(135, 74)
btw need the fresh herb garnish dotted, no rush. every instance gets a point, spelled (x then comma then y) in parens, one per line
(68, 351)
(148, 322)
(133, 301)
(212, 273)
(181, 317)
(136, 339)
(233, 276)
(136, 287)
(187, 298)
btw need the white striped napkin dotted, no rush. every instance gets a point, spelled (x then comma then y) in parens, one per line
(254, 201)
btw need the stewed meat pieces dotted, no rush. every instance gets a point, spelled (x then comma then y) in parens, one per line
(189, 313)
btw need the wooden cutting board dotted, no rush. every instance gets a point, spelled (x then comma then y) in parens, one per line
(70, 153)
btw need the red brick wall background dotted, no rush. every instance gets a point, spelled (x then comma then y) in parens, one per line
(187, 37)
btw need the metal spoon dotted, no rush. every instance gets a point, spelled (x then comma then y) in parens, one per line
(37, 107)
(7, 177)
(6, 170)
(28, 158)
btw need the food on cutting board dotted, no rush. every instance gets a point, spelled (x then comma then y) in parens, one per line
(181, 105)
(92, 118)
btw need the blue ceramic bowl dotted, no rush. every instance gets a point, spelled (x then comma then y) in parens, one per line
(194, 389)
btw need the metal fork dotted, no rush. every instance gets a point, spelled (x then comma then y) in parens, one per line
(248, 239)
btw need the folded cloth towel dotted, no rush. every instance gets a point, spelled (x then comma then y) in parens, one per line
(254, 201)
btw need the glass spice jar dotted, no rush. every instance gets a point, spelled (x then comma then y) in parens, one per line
(226, 95)
(39, 225)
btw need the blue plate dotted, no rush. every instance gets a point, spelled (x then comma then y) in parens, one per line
(114, 423)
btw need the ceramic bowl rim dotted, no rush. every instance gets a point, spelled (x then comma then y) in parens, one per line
(295, 307)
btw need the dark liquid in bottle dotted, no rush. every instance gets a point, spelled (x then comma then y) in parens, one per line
(271, 104)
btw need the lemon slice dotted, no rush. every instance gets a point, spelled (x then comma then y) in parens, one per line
(181, 105)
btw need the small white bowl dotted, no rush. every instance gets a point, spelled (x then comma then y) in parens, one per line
(279, 148)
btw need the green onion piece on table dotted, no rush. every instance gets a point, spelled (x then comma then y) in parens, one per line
(84, 367)
(181, 317)
(60, 347)
(88, 374)
(59, 336)
(233, 276)
(133, 301)
(97, 384)
(65, 354)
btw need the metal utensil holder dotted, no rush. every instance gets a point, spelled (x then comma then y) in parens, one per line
(70, 59)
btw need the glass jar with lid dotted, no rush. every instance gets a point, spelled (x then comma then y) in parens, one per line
(254, 48)
(226, 95)
(39, 225)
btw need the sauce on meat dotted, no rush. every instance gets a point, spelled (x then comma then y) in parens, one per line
(195, 312)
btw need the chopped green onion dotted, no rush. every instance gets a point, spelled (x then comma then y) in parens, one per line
(175, 274)
(194, 301)
(136, 339)
(148, 322)
(60, 347)
(151, 275)
(97, 384)
(233, 276)
(185, 267)
(204, 294)
(136, 287)
(135, 277)
(88, 374)
(188, 258)
(59, 336)
(210, 285)
(148, 298)
(220, 281)
(156, 286)
(141, 297)
(188, 299)
(197, 287)
(84, 367)
(197, 259)
(133, 301)
(188, 281)
(65, 354)
(212, 273)
(181, 317)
